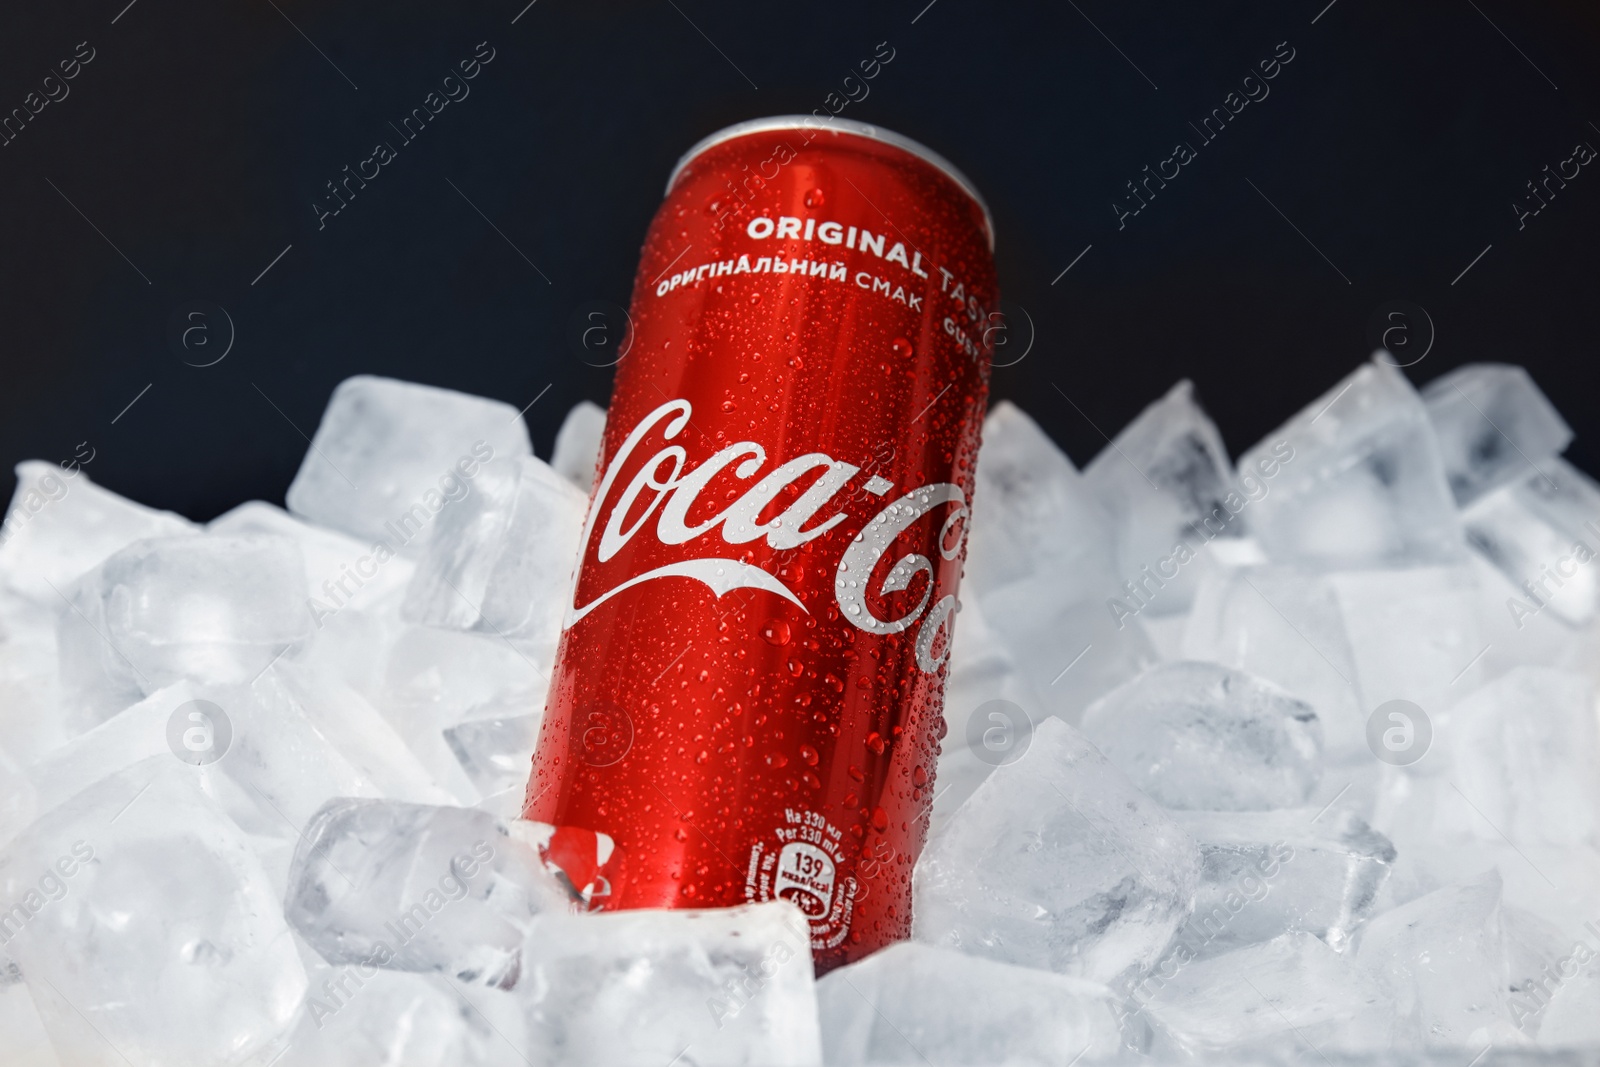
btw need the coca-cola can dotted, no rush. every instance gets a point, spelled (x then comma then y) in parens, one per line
(748, 689)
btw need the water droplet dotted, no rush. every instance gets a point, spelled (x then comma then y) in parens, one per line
(919, 777)
(810, 755)
(901, 347)
(727, 405)
(777, 759)
(755, 298)
(880, 819)
(776, 632)
(815, 198)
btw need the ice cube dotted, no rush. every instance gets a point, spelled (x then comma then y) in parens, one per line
(95, 676)
(1042, 563)
(1522, 753)
(1551, 958)
(577, 451)
(1534, 951)
(1165, 480)
(1423, 816)
(418, 888)
(1057, 862)
(1165, 633)
(1274, 872)
(1492, 423)
(1413, 633)
(1564, 1006)
(389, 456)
(912, 1003)
(1542, 533)
(341, 571)
(365, 1015)
(1033, 513)
(502, 560)
(443, 674)
(1070, 652)
(60, 525)
(1293, 985)
(146, 930)
(1519, 633)
(1284, 625)
(205, 590)
(30, 676)
(981, 671)
(1443, 960)
(212, 608)
(1469, 802)
(1360, 481)
(281, 758)
(496, 753)
(137, 733)
(27, 1043)
(436, 679)
(252, 747)
(18, 801)
(1202, 736)
(462, 549)
(354, 646)
(361, 735)
(647, 988)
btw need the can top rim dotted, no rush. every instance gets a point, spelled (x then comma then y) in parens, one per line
(860, 129)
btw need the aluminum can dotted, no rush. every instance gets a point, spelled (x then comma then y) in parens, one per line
(748, 688)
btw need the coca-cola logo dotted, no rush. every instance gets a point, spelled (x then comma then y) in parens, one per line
(662, 491)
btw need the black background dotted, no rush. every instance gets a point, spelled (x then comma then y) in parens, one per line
(199, 137)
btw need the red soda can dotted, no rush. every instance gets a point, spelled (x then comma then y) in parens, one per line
(748, 689)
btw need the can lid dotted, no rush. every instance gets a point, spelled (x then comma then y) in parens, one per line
(860, 129)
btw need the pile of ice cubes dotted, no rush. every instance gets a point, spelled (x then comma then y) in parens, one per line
(1293, 759)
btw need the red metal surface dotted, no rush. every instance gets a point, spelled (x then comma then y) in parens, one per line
(747, 696)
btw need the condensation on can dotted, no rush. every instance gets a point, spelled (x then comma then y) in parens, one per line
(747, 693)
